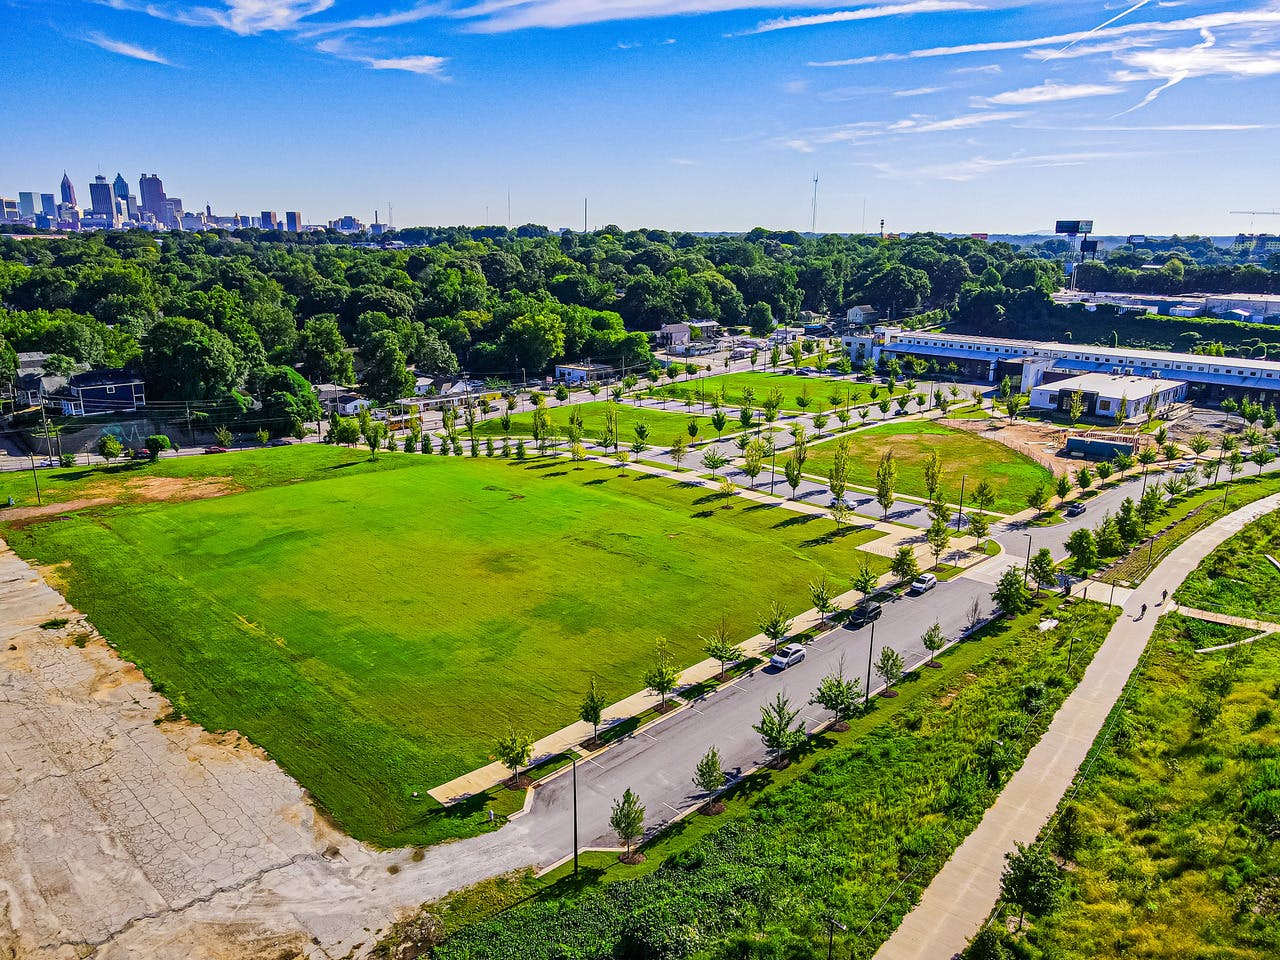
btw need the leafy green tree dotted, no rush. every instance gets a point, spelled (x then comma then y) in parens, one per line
(1043, 571)
(222, 436)
(720, 420)
(1083, 549)
(1076, 409)
(1011, 594)
(889, 667)
(109, 447)
(866, 580)
(663, 677)
(1062, 487)
(592, 709)
(886, 481)
(720, 647)
(792, 471)
(904, 565)
(1038, 497)
(187, 360)
(514, 751)
(933, 641)
(708, 776)
(1031, 880)
(776, 729)
(679, 448)
(932, 476)
(938, 536)
(156, 444)
(760, 320)
(775, 624)
(840, 695)
(385, 376)
(627, 821)
(714, 460)
(823, 601)
(984, 495)
(979, 526)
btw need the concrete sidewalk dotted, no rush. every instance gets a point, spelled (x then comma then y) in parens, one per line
(1226, 618)
(961, 896)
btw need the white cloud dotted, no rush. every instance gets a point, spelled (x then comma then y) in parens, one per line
(243, 17)
(1051, 92)
(916, 92)
(861, 131)
(864, 13)
(1205, 22)
(964, 170)
(126, 49)
(421, 64)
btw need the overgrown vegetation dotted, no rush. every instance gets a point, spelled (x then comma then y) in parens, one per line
(1170, 841)
(1238, 578)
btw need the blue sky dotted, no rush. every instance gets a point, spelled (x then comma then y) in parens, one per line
(962, 115)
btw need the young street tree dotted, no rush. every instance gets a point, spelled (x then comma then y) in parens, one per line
(708, 776)
(979, 526)
(1032, 880)
(938, 536)
(904, 565)
(1038, 497)
(933, 640)
(841, 513)
(775, 625)
(775, 728)
(984, 496)
(514, 751)
(718, 646)
(627, 821)
(1083, 547)
(886, 480)
(823, 601)
(933, 476)
(791, 470)
(889, 667)
(662, 677)
(865, 581)
(679, 447)
(592, 709)
(841, 695)
(838, 475)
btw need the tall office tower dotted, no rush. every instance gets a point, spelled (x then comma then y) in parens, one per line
(101, 198)
(293, 221)
(26, 204)
(131, 205)
(47, 206)
(68, 190)
(120, 187)
(151, 190)
(270, 220)
(172, 212)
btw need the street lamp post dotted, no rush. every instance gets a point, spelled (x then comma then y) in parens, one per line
(832, 924)
(1027, 569)
(960, 513)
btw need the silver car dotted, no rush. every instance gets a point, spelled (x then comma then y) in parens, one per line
(788, 656)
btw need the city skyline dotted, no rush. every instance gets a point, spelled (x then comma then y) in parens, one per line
(954, 115)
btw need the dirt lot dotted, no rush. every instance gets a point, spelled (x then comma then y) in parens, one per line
(134, 490)
(124, 834)
(1041, 442)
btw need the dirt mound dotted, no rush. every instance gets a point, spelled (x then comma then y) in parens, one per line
(133, 490)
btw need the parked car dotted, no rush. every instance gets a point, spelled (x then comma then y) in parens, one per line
(1076, 510)
(280, 442)
(788, 656)
(215, 449)
(923, 583)
(1184, 468)
(47, 463)
(846, 500)
(864, 613)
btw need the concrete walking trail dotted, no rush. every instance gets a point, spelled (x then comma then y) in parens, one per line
(958, 900)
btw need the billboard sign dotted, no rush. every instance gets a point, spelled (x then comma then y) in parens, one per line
(979, 236)
(1073, 227)
(1088, 246)
(1137, 238)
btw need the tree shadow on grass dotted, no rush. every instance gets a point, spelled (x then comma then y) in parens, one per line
(596, 482)
(797, 520)
(555, 473)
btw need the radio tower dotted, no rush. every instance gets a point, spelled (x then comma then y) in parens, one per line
(813, 221)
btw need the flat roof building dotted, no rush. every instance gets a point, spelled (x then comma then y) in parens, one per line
(1106, 395)
(1032, 362)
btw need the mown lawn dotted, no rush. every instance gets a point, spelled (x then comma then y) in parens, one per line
(828, 392)
(1013, 475)
(375, 632)
(664, 426)
(1171, 855)
(1237, 578)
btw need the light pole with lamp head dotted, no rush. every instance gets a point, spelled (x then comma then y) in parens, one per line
(1027, 569)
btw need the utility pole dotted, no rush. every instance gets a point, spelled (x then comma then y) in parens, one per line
(35, 477)
(575, 814)
(813, 220)
(870, 647)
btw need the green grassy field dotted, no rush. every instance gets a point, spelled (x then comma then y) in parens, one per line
(664, 425)
(819, 389)
(376, 629)
(1171, 855)
(1012, 474)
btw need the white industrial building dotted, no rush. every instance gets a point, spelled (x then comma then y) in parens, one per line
(1105, 395)
(1254, 306)
(1029, 363)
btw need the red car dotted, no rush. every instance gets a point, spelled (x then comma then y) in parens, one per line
(215, 449)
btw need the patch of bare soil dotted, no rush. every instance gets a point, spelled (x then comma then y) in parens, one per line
(134, 490)
(1042, 443)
